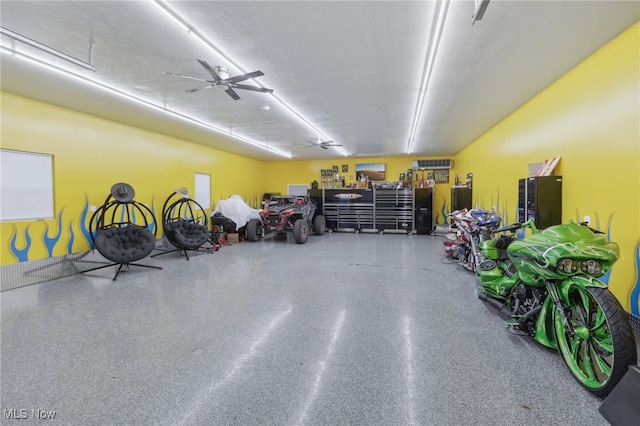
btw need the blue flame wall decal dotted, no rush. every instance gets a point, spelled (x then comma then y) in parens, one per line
(83, 223)
(50, 242)
(443, 211)
(153, 212)
(635, 291)
(21, 254)
(71, 238)
(189, 216)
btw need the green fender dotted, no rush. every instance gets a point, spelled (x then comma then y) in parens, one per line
(544, 331)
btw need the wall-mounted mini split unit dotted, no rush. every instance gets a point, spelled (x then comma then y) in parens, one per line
(432, 164)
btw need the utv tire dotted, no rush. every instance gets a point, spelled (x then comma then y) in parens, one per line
(253, 232)
(300, 231)
(319, 225)
(600, 346)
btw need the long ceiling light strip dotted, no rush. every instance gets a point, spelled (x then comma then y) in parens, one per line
(426, 73)
(143, 102)
(182, 23)
(311, 126)
(45, 48)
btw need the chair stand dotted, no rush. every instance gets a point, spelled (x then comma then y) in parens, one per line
(179, 250)
(120, 268)
(182, 251)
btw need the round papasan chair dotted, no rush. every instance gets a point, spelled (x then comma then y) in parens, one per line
(120, 230)
(181, 226)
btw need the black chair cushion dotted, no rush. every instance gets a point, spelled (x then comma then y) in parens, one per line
(186, 234)
(126, 244)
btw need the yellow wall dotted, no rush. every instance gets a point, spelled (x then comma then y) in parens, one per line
(591, 118)
(91, 154)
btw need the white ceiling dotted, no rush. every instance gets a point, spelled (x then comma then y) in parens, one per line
(352, 69)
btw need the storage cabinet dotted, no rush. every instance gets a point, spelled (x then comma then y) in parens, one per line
(366, 209)
(461, 198)
(349, 208)
(393, 209)
(317, 195)
(424, 210)
(540, 199)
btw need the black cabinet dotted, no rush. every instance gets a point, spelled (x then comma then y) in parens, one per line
(393, 209)
(461, 198)
(540, 199)
(424, 210)
(349, 208)
(317, 195)
(382, 209)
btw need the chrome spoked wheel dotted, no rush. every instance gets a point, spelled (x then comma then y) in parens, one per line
(597, 342)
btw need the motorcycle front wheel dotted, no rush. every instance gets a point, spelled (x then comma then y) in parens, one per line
(597, 344)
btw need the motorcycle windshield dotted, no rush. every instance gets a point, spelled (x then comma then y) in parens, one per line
(540, 253)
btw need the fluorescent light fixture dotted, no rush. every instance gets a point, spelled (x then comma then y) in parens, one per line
(140, 101)
(45, 48)
(481, 6)
(170, 15)
(342, 151)
(426, 72)
(175, 17)
(306, 122)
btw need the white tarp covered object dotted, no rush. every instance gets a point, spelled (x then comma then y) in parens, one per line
(237, 210)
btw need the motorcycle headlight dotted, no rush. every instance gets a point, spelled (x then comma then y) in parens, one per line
(568, 266)
(591, 267)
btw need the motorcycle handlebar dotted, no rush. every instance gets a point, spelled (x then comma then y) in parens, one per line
(515, 226)
(511, 227)
(595, 231)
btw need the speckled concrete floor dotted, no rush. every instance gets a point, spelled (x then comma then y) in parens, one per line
(348, 329)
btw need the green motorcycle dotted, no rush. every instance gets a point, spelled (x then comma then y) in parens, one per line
(547, 286)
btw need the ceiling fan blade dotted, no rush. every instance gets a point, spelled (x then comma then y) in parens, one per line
(210, 70)
(244, 77)
(186, 76)
(233, 94)
(323, 147)
(254, 88)
(197, 89)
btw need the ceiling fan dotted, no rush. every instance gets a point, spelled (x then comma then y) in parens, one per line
(321, 144)
(222, 81)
